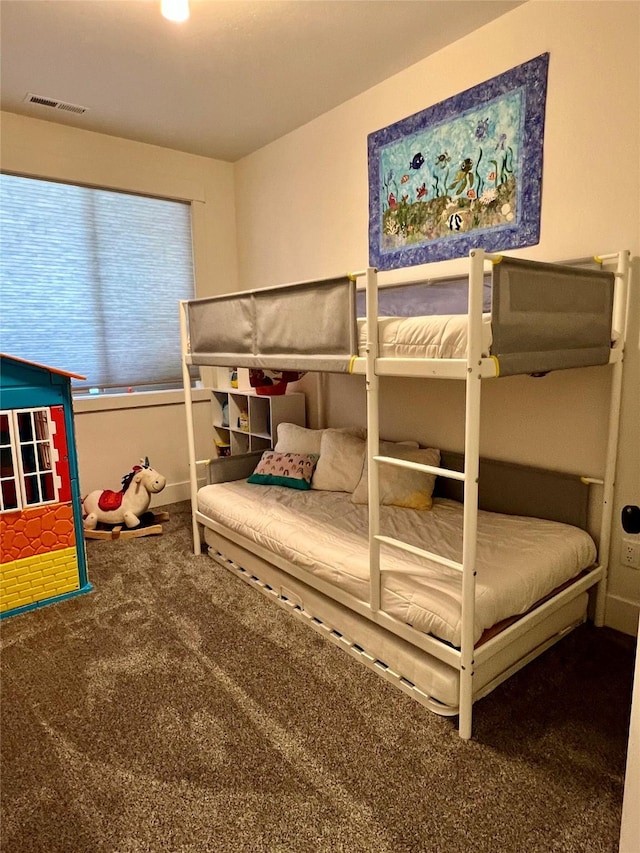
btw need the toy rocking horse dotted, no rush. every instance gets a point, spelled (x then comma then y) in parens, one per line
(128, 506)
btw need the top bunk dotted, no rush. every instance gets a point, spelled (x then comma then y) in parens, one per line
(508, 316)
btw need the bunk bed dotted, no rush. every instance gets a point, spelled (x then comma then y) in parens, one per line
(446, 600)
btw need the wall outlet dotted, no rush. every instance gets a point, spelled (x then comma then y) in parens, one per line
(630, 554)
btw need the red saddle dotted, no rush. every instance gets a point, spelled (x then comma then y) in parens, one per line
(110, 500)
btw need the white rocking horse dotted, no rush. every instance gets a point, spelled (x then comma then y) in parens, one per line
(127, 505)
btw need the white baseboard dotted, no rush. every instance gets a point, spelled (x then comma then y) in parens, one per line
(622, 615)
(172, 493)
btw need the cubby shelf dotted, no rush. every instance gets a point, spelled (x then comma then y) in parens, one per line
(245, 420)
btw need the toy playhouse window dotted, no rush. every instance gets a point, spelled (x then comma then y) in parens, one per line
(27, 475)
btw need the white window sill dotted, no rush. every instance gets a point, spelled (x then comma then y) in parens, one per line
(135, 400)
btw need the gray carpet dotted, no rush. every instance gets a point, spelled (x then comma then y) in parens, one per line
(175, 709)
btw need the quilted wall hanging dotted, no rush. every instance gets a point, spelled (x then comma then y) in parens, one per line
(464, 173)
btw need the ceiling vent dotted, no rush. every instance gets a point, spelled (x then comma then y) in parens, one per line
(54, 104)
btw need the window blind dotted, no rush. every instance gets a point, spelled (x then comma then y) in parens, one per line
(91, 281)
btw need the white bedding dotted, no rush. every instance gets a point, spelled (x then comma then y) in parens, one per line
(436, 336)
(519, 560)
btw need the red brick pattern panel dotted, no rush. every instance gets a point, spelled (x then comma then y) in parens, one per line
(36, 531)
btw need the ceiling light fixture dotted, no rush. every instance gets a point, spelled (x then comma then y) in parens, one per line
(175, 10)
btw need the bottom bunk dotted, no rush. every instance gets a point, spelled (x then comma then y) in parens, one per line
(308, 551)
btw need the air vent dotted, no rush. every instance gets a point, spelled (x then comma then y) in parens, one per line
(54, 104)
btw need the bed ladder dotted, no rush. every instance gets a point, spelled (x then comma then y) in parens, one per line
(469, 476)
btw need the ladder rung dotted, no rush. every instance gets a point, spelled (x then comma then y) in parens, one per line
(418, 466)
(420, 552)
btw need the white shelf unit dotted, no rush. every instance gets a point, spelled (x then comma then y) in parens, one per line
(251, 421)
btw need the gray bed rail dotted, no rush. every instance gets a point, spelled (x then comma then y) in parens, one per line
(544, 317)
(549, 316)
(305, 326)
(515, 489)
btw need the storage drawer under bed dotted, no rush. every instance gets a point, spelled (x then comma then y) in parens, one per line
(409, 667)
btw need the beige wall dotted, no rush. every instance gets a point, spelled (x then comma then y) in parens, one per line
(112, 435)
(302, 202)
(302, 206)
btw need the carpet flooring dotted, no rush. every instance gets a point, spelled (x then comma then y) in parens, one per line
(174, 708)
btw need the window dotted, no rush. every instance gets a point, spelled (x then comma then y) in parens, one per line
(91, 281)
(27, 476)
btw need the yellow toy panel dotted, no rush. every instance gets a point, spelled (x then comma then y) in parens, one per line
(38, 578)
(38, 558)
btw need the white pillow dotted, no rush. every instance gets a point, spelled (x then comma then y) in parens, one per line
(296, 439)
(339, 467)
(401, 486)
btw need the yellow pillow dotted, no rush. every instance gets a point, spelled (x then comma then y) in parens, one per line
(402, 487)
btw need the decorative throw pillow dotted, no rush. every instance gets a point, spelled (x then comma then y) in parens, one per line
(296, 439)
(341, 461)
(403, 487)
(293, 470)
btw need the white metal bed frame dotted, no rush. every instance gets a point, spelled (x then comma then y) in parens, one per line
(472, 370)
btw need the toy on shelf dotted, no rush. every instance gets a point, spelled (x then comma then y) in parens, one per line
(128, 507)
(272, 383)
